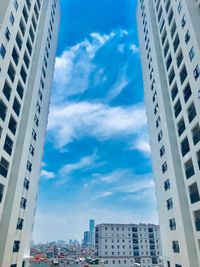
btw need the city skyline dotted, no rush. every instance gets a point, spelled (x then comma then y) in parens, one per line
(97, 131)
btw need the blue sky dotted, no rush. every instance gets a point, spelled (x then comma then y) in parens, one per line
(97, 157)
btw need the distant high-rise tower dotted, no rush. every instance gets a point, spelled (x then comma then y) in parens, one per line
(28, 38)
(92, 232)
(170, 50)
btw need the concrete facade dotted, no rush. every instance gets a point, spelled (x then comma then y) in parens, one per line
(128, 245)
(28, 40)
(170, 51)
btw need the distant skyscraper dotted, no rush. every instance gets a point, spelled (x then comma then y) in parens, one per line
(121, 245)
(86, 238)
(92, 225)
(28, 38)
(92, 232)
(170, 50)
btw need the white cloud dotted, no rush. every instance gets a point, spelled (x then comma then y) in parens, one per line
(75, 120)
(134, 48)
(142, 144)
(47, 174)
(121, 48)
(83, 163)
(102, 195)
(74, 66)
(118, 87)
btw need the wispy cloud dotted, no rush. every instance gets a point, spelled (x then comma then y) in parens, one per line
(74, 66)
(83, 163)
(134, 48)
(47, 174)
(141, 143)
(75, 120)
(102, 195)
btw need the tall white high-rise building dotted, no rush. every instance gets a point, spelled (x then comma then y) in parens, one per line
(170, 51)
(28, 40)
(128, 245)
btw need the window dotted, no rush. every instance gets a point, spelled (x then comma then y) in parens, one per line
(187, 92)
(183, 21)
(16, 4)
(191, 112)
(25, 14)
(12, 19)
(183, 74)
(20, 223)
(4, 164)
(174, 91)
(29, 166)
(191, 53)
(22, 27)
(176, 42)
(7, 90)
(196, 72)
(197, 219)
(34, 23)
(34, 135)
(23, 74)
(8, 145)
(16, 246)
(26, 184)
(187, 37)
(2, 51)
(181, 127)
(15, 56)
(162, 151)
(170, 17)
(169, 61)
(26, 60)
(177, 108)
(166, 49)
(189, 169)
(28, 4)
(12, 125)
(7, 34)
(167, 185)
(31, 150)
(36, 11)
(196, 134)
(19, 41)
(23, 203)
(31, 33)
(175, 247)
(198, 158)
(179, 58)
(29, 47)
(172, 224)
(194, 193)
(11, 72)
(3, 110)
(173, 29)
(164, 167)
(185, 148)
(156, 109)
(160, 135)
(169, 203)
(158, 122)
(171, 76)
(1, 192)
(16, 106)
(20, 90)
